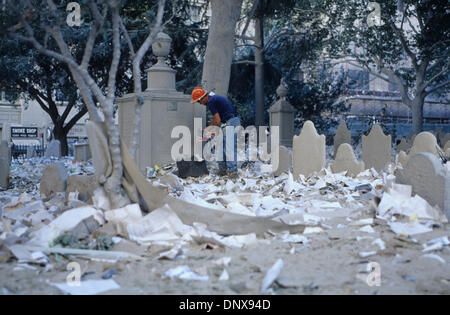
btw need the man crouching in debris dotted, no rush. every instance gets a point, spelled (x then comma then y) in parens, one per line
(224, 114)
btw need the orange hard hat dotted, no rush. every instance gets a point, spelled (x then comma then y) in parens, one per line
(197, 94)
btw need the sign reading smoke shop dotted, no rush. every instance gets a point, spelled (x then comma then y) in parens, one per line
(24, 132)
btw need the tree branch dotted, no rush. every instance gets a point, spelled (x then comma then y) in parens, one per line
(404, 44)
(67, 111)
(75, 119)
(116, 55)
(437, 87)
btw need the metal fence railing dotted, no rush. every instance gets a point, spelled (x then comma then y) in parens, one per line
(20, 151)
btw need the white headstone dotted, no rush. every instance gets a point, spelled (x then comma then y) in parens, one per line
(404, 145)
(376, 149)
(424, 142)
(447, 146)
(428, 178)
(53, 149)
(343, 135)
(346, 161)
(54, 179)
(402, 158)
(308, 151)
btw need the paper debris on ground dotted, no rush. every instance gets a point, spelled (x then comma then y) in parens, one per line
(312, 230)
(224, 276)
(380, 243)
(398, 200)
(224, 261)
(436, 244)
(435, 257)
(185, 273)
(65, 222)
(271, 276)
(409, 229)
(89, 287)
(24, 251)
(120, 218)
(367, 229)
(173, 253)
(160, 225)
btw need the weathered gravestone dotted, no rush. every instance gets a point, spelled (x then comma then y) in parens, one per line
(447, 146)
(284, 162)
(428, 178)
(402, 158)
(444, 139)
(343, 135)
(424, 142)
(404, 145)
(82, 152)
(376, 149)
(84, 185)
(346, 161)
(5, 164)
(308, 152)
(53, 149)
(54, 180)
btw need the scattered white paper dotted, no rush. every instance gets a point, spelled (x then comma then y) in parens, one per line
(367, 254)
(367, 229)
(185, 273)
(65, 222)
(380, 243)
(312, 230)
(272, 275)
(410, 228)
(436, 257)
(224, 276)
(160, 225)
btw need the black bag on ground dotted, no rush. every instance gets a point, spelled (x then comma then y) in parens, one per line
(192, 168)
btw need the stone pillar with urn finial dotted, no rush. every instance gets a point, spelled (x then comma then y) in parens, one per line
(282, 114)
(164, 108)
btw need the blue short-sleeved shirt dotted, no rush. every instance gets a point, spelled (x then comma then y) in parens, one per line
(223, 106)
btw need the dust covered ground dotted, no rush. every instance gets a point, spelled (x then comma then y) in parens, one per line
(346, 242)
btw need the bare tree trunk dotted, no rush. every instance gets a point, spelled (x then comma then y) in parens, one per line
(259, 71)
(417, 114)
(61, 136)
(220, 46)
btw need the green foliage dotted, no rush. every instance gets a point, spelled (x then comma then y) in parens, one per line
(294, 41)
